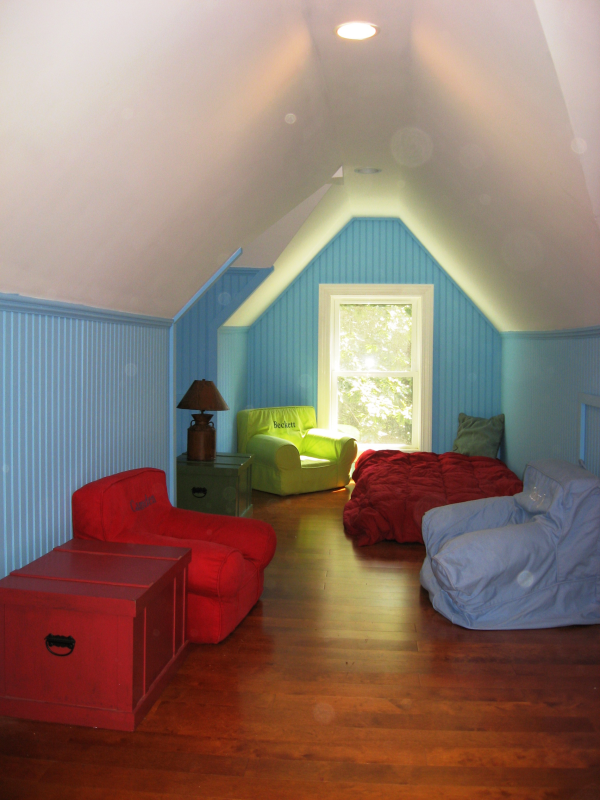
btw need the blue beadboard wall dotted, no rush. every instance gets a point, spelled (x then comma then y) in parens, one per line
(283, 342)
(232, 380)
(83, 394)
(542, 375)
(196, 332)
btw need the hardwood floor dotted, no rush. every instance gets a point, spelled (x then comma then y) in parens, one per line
(342, 683)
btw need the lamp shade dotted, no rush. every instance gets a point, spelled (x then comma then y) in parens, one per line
(203, 396)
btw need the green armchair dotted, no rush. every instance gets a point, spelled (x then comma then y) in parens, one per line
(292, 455)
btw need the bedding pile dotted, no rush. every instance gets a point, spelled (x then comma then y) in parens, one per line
(394, 489)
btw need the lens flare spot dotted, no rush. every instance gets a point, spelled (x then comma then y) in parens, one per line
(290, 118)
(537, 497)
(579, 145)
(525, 579)
(485, 199)
(411, 147)
(323, 713)
(224, 298)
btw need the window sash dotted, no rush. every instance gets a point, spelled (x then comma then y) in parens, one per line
(420, 297)
(413, 373)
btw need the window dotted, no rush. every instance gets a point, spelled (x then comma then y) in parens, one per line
(375, 362)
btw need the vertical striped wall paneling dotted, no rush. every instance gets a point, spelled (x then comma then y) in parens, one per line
(232, 380)
(283, 342)
(592, 439)
(83, 394)
(196, 341)
(542, 376)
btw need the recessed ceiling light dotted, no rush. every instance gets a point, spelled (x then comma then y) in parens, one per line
(367, 170)
(356, 30)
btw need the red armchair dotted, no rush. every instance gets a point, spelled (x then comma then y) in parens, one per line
(229, 554)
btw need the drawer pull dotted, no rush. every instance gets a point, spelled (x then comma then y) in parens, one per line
(59, 641)
(199, 492)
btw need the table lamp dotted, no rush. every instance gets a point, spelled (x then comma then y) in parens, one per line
(202, 436)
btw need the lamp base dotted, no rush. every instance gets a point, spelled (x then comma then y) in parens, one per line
(202, 439)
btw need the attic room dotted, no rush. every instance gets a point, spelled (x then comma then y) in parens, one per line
(183, 182)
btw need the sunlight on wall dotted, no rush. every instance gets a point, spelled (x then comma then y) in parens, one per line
(328, 218)
(380, 198)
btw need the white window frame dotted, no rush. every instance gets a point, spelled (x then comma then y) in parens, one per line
(420, 296)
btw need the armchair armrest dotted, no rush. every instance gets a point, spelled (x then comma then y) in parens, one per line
(444, 523)
(216, 570)
(255, 539)
(322, 443)
(274, 451)
(496, 566)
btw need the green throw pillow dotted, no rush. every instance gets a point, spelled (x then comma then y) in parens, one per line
(478, 436)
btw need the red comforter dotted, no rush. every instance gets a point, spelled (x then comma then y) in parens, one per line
(393, 490)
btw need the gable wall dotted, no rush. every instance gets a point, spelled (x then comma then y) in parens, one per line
(283, 342)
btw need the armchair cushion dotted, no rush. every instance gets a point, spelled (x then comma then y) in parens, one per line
(229, 554)
(292, 455)
(446, 522)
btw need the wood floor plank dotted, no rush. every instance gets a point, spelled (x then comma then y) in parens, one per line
(299, 779)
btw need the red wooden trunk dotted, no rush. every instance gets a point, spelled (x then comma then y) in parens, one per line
(124, 606)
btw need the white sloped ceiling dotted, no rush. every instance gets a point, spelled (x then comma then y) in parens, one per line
(141, 143)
